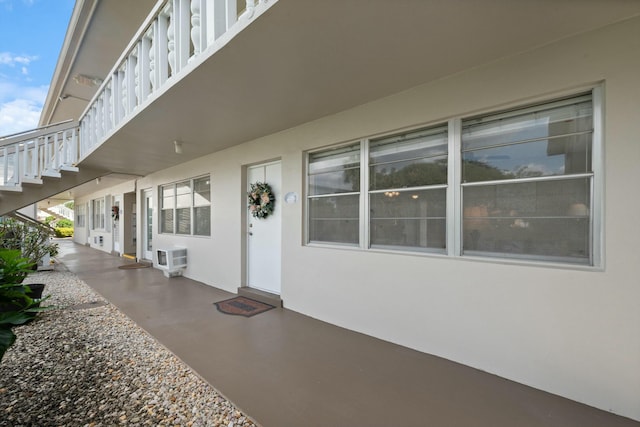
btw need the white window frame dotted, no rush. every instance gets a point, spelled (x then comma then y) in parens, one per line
(81, 215)
(192, 207)
(454, 210)
(100, 215)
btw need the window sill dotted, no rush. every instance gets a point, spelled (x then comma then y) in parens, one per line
(462, 258)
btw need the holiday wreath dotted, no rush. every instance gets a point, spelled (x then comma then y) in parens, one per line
(261, 200)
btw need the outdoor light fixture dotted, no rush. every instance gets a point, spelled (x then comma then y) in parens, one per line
(88, 81)
(66, 95)
(178, 146)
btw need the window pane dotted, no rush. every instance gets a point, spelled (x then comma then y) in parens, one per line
(425, 143)
(183, 194)
(411, 173)
(183, 216)
(409, 160)
(202, 191)
(334, 219)
(335, 171)
(202, 221)
(535, 219)
(166, 221)
(335, 159)
(554, 140)
(560, 156)
(346, 181)
(412, 219)
(507, 128)
(168, 197)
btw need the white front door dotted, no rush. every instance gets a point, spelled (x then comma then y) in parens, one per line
(264, 235)
(115, 218)
(147, 224)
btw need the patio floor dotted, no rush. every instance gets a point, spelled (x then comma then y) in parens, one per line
(285, 369)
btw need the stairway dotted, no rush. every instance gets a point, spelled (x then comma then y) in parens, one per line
(40, 163)
(58, 212)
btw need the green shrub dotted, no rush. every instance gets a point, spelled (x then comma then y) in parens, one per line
(64, 232)
(34, 242)
(64, 223)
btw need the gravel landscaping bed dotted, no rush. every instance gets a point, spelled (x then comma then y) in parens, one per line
(86, 364)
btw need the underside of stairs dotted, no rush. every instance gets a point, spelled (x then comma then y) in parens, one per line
(40, 163)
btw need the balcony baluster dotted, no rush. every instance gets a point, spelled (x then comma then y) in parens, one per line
(177, 32)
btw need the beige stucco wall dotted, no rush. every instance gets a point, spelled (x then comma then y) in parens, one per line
(570, 331)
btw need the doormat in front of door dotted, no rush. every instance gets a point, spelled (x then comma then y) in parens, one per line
(133, 266)
(242, 306)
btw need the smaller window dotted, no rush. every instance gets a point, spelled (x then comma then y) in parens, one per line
(97, 207)
(334, 195)
(186, 207)
(183, 207)
(407, 190)
(167, 196)
(81, 214)
(202, 206)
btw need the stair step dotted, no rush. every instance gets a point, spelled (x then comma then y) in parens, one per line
(69, 168)
(16, 188)
(51, 174)
(262, 296)
(37, 181)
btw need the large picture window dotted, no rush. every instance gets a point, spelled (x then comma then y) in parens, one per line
(514, 184)
(527, 178)
(186, 207)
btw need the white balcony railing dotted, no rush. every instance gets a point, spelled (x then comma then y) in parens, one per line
(175, 32)
(31, 155)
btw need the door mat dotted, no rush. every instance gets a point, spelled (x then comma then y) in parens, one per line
(133, 266)
(242, 306)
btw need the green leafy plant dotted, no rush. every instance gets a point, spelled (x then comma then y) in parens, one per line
(64, 223)
(16, 303)
(13, 266)
(34, 241)
(64, 232)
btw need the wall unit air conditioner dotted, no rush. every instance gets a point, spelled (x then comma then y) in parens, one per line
(172, 260)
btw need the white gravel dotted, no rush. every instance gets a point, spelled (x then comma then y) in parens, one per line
(90, 365)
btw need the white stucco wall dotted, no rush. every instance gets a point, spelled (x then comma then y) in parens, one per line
(570, 331)
(81, 233)
(87, 234)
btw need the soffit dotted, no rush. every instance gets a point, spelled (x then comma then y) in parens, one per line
(305, 59)
(110, 25)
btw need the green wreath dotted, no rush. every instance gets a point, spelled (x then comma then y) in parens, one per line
(261, 200)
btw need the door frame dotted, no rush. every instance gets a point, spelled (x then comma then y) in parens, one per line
(247, 219)
(116, 226)
(144, 253)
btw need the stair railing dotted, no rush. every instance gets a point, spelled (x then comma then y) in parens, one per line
(28, 156)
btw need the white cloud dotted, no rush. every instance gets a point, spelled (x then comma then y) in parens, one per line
(25, 71)
(20, 107)
(10, 59)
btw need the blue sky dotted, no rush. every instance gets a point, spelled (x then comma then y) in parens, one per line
(31, 35)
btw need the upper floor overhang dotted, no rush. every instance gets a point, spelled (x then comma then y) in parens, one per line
(211, 74)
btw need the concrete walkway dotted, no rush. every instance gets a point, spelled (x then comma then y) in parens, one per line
(285, 369)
